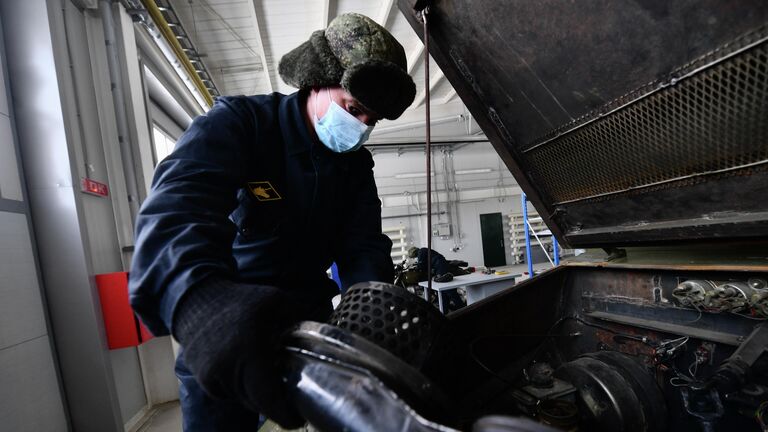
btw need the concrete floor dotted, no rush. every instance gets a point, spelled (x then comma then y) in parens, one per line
(165, 418)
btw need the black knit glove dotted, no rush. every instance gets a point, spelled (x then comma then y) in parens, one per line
(230, 334)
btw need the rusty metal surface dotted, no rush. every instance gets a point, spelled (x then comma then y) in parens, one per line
(642, 299)
(572, 311)
(634, 348)
(645, 324)
(496, 336)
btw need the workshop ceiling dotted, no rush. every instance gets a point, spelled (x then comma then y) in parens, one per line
(241, 42)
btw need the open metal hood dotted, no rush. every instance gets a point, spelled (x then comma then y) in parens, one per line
(625, 122)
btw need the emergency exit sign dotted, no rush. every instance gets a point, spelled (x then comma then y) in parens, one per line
(93, 187)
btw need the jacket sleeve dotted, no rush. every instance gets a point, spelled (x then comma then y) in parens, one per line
(183, 233)
(363, 252)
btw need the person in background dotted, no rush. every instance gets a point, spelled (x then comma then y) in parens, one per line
(441, 270)
(261, 194)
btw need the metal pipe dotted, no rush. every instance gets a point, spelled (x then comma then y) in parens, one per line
(449, 195)
(447, 190)
(410, 215)
(76, 97)
(457, 241)
(407, 142)
(424, 14)
(524, 201)
(170, 37)
(436, 191)
(413, 125)
(121, 117)
(433, 173)
(513, 191)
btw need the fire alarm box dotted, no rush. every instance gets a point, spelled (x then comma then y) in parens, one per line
(123, 327)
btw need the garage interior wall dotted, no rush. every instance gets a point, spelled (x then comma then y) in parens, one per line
(31, 397)
(65, 86)
(481, 184)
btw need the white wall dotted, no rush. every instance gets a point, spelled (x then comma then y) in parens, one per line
(30, 396)
(405, 198)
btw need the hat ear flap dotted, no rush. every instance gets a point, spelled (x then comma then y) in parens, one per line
(311, 64)
(382, 86)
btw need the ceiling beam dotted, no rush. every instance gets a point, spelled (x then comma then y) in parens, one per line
(414, 56)
(399, 127)
(386, 9)
(260, 53)
(434, 80)
(257, 14)
(449, 97)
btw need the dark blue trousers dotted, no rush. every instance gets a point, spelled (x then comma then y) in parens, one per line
(201, 413)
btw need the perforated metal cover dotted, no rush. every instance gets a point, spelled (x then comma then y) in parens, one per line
(713, 121)
(625, 123)
(391, 317)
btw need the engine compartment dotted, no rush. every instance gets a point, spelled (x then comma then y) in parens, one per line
(577, 348)
(595, 348)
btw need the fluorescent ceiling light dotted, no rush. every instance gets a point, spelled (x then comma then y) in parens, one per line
(412, 175)
(474, 171)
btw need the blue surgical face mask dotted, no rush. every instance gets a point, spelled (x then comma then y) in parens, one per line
(339, 130)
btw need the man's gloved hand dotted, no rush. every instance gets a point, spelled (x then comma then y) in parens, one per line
(230, 334)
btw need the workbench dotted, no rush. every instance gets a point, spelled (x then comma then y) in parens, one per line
(477, 285)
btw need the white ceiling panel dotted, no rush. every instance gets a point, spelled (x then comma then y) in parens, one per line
(368, 8)
(230, 34)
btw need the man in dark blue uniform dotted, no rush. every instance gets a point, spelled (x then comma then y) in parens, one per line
(260, 196)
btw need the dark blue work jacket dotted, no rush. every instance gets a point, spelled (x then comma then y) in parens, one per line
(249, 196)
(439, 265)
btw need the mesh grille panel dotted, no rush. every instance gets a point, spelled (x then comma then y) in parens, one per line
(714, 120)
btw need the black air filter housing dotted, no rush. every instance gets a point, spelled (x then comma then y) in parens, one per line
(391, 317)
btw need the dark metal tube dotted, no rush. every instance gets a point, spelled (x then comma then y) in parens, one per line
(424, 14)
(524, 205)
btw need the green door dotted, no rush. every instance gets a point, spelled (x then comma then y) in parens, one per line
(492, 232)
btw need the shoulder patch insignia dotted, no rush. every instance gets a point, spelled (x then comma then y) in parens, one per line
(264, 191)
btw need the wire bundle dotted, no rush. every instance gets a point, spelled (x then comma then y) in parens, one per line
(748, 299)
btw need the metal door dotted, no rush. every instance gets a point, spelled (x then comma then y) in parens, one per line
(492, 232)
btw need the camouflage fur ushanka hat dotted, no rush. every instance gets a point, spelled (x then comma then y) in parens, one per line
(361, 56)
